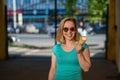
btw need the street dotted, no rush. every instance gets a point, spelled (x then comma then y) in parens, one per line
(44, 43)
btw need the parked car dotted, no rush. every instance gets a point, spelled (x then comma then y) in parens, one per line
(30, 28)
(96, 30)
(41, 27)
(10, 29)
(20, 29)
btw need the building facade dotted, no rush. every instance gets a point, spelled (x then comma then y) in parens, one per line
(38, 10)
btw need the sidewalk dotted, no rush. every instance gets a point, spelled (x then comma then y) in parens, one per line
(42, 45)
(33, 68)
(96, 51)
(101, 70)
(34, 63)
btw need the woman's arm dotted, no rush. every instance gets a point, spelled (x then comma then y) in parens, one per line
(52, 68)
(84, 59)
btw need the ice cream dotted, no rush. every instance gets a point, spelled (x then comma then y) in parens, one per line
(82, 40)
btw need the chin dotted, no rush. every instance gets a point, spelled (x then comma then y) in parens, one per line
(69, 39)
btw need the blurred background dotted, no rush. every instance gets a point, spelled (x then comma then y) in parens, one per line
(28, 31)
(35, 22)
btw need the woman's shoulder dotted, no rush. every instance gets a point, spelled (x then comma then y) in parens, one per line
(56, 45)
(56, 48)
(84, 46)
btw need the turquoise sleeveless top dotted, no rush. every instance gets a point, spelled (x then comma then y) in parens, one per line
(67, 65)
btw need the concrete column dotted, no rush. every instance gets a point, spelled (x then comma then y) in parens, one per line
(111, 31)
(3, 44)
(117, 19)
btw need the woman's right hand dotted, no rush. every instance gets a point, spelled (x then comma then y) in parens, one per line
(79, 48)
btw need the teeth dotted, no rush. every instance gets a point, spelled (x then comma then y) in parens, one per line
(69, 35)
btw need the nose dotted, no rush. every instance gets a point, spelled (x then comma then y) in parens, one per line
(69, 31)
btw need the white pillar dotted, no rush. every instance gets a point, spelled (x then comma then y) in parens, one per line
(20, 19)
(14, 13)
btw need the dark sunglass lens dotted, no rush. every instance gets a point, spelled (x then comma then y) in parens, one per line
(65, 29)
(72, 29)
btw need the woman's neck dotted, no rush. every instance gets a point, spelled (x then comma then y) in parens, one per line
(70, 43)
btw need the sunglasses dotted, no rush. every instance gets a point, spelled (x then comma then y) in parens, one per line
(65, 29)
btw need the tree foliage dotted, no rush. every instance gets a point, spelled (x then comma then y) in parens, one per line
(70, 7)
(97, 9)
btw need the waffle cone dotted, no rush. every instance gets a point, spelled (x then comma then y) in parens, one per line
(82, 40)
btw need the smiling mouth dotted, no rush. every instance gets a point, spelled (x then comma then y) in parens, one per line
(69, 35)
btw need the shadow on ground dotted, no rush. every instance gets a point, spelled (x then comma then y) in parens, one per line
(37, 68)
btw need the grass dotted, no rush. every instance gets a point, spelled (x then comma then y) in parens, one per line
(27, 46)
(20, 46)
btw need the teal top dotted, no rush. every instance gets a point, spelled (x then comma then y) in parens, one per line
(67, 65)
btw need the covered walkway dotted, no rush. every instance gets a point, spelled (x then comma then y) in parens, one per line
(37, 68)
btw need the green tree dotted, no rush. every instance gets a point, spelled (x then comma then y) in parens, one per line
(97, 9)
(70, 7)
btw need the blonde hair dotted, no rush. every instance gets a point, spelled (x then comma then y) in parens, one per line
(60, 38)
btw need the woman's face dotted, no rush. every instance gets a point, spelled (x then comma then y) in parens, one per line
(69, 30)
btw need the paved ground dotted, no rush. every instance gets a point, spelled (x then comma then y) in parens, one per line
(37, 68)
(42, 45)
(33, 64)
(96, 51)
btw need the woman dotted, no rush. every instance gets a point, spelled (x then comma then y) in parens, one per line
(69, 57)
(82, 31)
